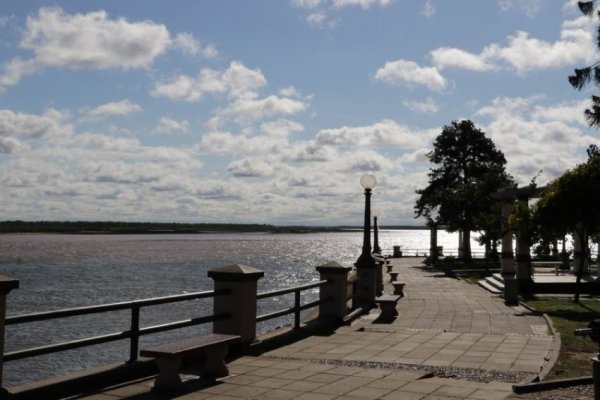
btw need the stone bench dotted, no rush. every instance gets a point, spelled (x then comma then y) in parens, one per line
(389, 267)
(170, 356)
(399, 288)
(548, 267)
(393, 276)
(387, 304)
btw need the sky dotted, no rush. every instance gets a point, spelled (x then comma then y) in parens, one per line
(270, 111)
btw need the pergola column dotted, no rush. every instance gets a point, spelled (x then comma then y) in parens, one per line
(433, 250)
(523, 256)
(461, 249)
(507, 264)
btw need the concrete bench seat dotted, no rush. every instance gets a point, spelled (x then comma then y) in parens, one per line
(393, 276)
(548, 267)
(387, 304)
(399, 288)
(170, 356)
(388, 267)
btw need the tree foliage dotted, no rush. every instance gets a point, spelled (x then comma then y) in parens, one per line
(570, 204)
(467, 169)
(583, 76)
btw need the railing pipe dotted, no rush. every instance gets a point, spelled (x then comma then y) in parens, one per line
(280, 292)
(72, 312)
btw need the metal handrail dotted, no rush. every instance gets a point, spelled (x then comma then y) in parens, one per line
(133, 333)
(279, 292)
(76, 311)
(297, 306)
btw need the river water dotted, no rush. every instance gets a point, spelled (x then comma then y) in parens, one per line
(62, 271)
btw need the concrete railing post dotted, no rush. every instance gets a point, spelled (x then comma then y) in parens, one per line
(6, 285)
(240, 303)
(336, 289)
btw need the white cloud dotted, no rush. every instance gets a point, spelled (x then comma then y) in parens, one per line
(306, 3)
(402, 72)
(363, 161)
(16, 128)
(381, 134)
(534, 136)
(281, 128)
(428, 106)
(118, 108)
(428, 10)
(169, 125)
(250, 168)
(364, 4)
(273, 139)
(444, 57)
(9, 145)
(237, 81)
(246, 110)
(187, 43)
(530, 7)
(523, 53)
(317, 19)
(92, 41)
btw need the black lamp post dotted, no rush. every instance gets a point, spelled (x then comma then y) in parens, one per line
(366, 271)
(365, 259)
(376, 248)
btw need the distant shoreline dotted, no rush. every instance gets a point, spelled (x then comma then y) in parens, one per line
(147, 228)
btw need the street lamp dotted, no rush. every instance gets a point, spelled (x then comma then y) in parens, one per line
(366, 271)
(368, 182)
(376, 215)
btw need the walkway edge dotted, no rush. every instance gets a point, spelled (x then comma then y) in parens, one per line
(554, 352)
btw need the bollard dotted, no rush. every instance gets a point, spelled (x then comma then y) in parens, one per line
(6, 285)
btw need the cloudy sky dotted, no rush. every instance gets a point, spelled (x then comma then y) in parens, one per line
(269, 111)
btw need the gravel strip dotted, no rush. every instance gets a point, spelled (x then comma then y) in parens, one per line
(574, 393)
(470, 374)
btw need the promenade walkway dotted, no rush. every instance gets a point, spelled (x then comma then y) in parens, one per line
(451, 340)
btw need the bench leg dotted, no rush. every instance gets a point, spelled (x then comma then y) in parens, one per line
(388, 311)
(399, 290)
(214, 366)
(168, 373)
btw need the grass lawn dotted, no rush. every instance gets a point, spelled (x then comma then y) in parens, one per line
(575, 352)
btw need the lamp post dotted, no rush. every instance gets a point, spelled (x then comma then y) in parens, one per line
(376, 215)
(365, 265)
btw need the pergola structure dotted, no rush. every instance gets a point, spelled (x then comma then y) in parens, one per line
(521, 270)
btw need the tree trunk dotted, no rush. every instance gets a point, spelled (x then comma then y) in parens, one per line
(584, 252)
(466, 245)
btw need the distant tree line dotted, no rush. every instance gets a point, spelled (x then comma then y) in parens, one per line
(115, 227)
(125, 227)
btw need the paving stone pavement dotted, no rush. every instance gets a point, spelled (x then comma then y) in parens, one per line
(451, 340)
